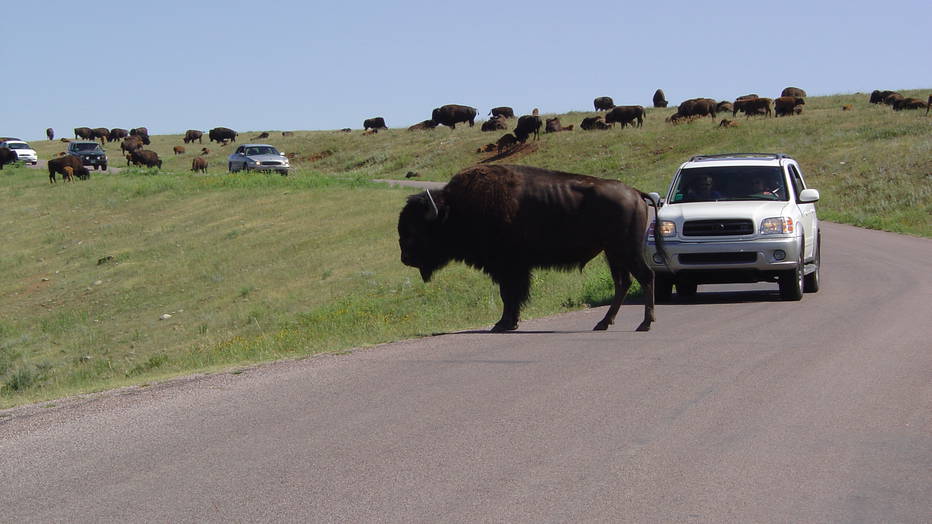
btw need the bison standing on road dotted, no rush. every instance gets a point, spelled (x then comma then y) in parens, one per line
(508, 220)
(221, 134)
(626, 115)
(450, 114)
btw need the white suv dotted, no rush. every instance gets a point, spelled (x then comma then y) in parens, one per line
(24, 153)
(739, 217)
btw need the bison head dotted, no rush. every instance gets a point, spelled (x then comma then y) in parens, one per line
(419, 234)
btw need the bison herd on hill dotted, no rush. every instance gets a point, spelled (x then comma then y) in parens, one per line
(790, 102)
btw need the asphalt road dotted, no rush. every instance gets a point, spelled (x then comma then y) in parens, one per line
(736, 407)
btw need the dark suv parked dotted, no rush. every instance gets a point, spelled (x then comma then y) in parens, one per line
(90, 153)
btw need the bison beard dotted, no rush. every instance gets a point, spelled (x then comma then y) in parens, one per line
(507, 220)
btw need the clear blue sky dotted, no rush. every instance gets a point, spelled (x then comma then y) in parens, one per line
(174, 65)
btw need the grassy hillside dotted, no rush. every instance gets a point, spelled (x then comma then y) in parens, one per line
(135, 276)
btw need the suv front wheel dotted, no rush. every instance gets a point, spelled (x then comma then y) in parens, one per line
(791, 281)
(811, 281)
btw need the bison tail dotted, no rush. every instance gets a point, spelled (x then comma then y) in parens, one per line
(658, 238)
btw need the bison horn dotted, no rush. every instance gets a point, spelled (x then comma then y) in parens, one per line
(434, 212)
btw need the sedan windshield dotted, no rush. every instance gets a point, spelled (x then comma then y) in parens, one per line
(261, 150)
(17, 145)
(704, 184)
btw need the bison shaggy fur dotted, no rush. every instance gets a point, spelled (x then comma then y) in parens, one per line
(58, 165)
(507, 220)
(452, 114)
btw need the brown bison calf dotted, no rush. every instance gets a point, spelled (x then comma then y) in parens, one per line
(179, 150)
(199, 164)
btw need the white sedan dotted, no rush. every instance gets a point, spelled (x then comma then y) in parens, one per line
(258, 157)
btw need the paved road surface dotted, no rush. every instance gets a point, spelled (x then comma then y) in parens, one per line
(737, 407)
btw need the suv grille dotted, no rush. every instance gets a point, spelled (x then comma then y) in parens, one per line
(718, 258)
(716, 228)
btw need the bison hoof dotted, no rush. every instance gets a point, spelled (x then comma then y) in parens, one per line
(502, 327)
(645, 326)
(601, 326)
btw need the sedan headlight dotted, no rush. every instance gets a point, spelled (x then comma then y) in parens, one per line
(776, 225)
(667, 229)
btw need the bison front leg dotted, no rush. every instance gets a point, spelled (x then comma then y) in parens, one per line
(514, 290)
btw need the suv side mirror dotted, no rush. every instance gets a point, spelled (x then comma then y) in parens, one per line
(655, 198)
(808, 196)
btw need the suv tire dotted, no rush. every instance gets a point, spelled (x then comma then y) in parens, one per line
(686, 289)
(791, 281)
(811, 282)
(663, 288)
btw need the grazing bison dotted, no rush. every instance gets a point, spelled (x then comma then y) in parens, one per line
(199, 164)
(131, 143)
(793, 91)
(221, 134)
(603, 103)
(786, 105)
(58, 165)
(753, 106)
(909, 103)
(450, 114)
(504, 112)
(659, 99)
(7, 156)
(144, 157)
(117, 134)
(496, 123)
(178, 150)
(102, 134)
(527, 125)
(508, 220)
(625, 115)
(423, 125)
(698, 107)
(84, 132)
(374, 123)
(50, 133)
(193, 134)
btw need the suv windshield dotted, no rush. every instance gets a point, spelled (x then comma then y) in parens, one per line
(85, 147)
(261, 150)
(730, 183)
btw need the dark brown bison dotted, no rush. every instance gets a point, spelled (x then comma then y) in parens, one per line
(264, 134)
(909, 103)
(199, 164)
(131, 143)
(603, 103)
(698, 107)
(84, 132)
(178, 150)
(503, 111)
(451, 114)
(221, 134)
(892, 99)
(102, 134)
(793, 91)
(138, 131)
(659, 99)
(527, 125)
(144, 157)
(753, 106)
(507, 141)
(423, 125)
(117, 134)
(626, 115)
(193, 134)
(553, 125)
(877, 96)
(7, 156)
(50, 133)
(496, 123)
(508, 220)
(374, 123)
(591, 123)
(723, 107)
(58, 165)
(786, 105)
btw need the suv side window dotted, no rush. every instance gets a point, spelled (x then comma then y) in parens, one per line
(239, 150)
(797, 181)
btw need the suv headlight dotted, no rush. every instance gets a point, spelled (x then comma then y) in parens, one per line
(667, 229)
(776, 225)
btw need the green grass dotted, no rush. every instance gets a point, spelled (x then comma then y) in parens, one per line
(255, 267)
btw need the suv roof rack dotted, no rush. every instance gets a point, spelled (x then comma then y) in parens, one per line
(778, 156)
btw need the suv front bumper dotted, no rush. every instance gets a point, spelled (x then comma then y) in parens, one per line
(726, 261)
